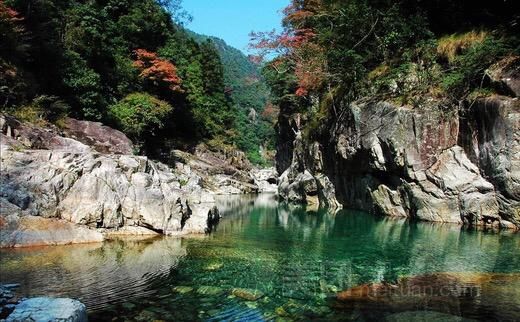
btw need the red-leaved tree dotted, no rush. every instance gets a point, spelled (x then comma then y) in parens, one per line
(296, 43)
(14, 47)
(159, 71)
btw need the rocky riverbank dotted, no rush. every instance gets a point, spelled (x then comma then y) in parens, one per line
(81, 183)
(438, 162)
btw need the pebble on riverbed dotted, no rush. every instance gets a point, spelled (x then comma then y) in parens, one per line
(8, 300)
(246, 294)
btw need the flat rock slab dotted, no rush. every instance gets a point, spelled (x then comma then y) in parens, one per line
(45, 309)
(37, 231)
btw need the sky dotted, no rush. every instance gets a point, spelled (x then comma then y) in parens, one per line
(233, 20)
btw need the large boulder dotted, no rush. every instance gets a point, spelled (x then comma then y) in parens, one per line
(75, 136)
(24, 231)
(101, 138)
(265, 179)
(466, 294)
(99, 191)
(20, 135)
(52, 197)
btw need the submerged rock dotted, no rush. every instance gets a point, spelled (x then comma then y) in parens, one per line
(425, 316)
(213, 266)
(8, 299)
(183, 289)
(450, 293)
(247, 294)
(45, 309)
(210, 290)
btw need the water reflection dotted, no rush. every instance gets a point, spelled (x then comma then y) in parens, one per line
(97, 274)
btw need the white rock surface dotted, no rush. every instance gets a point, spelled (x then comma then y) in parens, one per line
(96, 191)
(45, 309)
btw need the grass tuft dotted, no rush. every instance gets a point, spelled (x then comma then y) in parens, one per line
(449, 47)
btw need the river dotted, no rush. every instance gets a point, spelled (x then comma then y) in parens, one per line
(271, 261)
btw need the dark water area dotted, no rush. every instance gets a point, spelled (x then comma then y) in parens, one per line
(271, 261)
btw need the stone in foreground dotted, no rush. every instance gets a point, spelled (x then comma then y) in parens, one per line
(44, 309)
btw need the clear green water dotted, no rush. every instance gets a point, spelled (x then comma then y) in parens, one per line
(295, 260)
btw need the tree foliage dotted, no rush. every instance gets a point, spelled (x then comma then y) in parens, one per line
(94, 56)
(140, 115)
(330, 43)
(331, 52)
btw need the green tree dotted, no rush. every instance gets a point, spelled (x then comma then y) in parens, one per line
(140, 115)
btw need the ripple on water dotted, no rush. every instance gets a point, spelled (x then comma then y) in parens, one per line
(97, 274)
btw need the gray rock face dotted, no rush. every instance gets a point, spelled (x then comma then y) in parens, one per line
(103, 191)
(26, 136)
(491, 139)
(265, 179)
(56, 190)
(223, 173)
(45, 309)
(453, 191)
(303, 181)
(76, 136)
(427, 163)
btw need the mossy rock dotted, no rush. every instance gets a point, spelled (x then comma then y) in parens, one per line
(247, 294)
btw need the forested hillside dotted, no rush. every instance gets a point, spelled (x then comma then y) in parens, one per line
(128, 64)
(256, 115)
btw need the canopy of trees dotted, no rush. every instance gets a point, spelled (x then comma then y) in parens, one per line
(128, 63)
(331, 47)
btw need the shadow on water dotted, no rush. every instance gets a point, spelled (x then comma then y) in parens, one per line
(267, 260)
